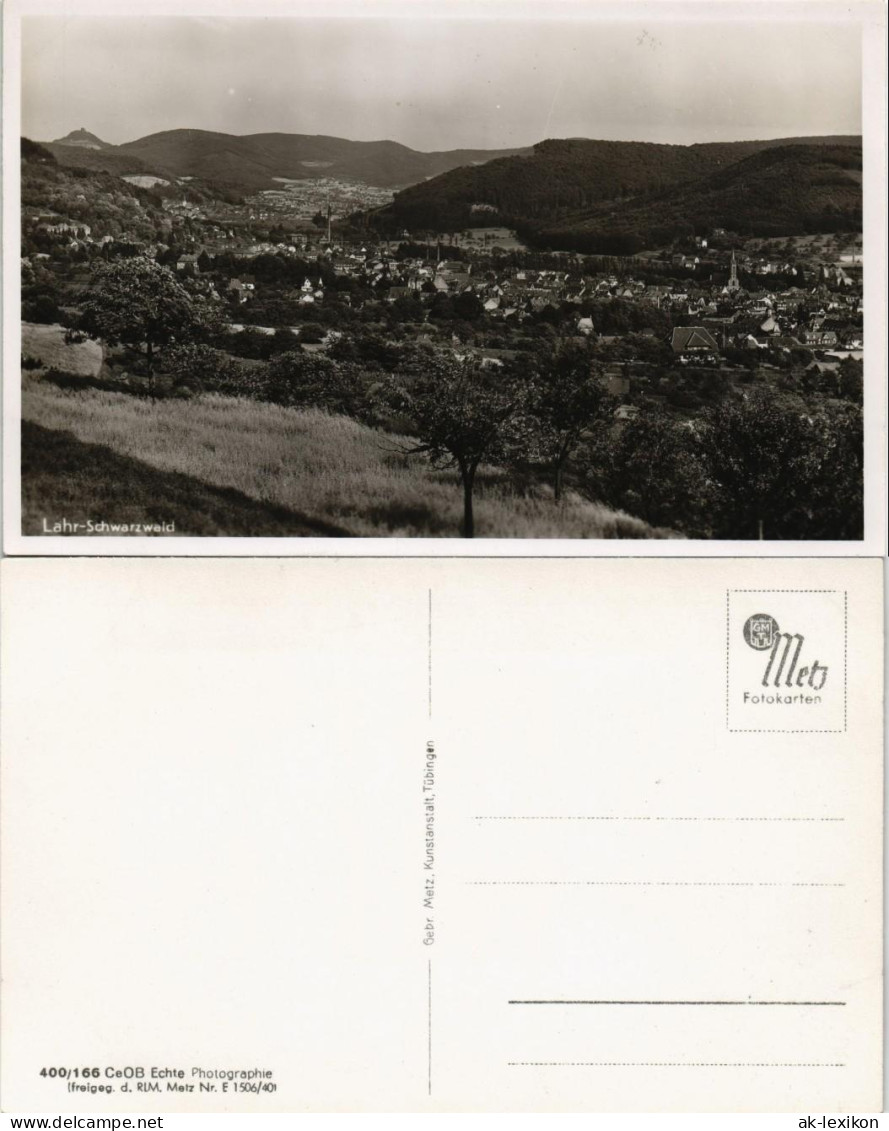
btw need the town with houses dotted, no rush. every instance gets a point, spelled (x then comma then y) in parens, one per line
(803, 302)
(709, 305)
(803, 311)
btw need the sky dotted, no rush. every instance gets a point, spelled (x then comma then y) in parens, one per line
(440, 82)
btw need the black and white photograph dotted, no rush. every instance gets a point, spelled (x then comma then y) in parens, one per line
(473, 271)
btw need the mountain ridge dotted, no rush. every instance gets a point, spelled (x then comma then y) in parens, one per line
(567, 193)
(252, 162)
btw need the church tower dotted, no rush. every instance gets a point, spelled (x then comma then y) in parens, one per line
(733, 284)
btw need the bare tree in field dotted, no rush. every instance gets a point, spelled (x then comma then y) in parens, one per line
(461, 414)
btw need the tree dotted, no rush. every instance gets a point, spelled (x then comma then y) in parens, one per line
(284, 341)
(836, 509)
(193, 367)
(42, 307)
(850, 380)
(468, 306)
(407, 308)
(141, 303)
(461, 414)
(369, 348)
(302, 379)
(567, 400)
(764, 456)
(650, 467)
(312, 333)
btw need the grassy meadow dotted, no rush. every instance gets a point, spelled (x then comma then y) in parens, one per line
(47, 345)
(227, 466)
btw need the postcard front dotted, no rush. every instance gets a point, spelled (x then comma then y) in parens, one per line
(390, 278)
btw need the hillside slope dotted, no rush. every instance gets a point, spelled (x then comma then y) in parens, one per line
(81, 188)
(219, 465)
(109, 160)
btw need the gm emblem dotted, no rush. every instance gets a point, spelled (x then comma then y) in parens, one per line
(761, 631)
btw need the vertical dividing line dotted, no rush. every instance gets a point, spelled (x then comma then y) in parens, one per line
(429, 1048)
(845, 660)
(429, 964)
(429, 656)
(727, 645)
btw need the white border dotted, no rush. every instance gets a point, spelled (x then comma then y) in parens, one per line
(869, 14)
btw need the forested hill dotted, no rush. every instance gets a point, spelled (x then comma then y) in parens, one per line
(254, 161)
(598, 189)
(794, 190)
(559, 177)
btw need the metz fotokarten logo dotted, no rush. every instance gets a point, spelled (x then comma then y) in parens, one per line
(789, 674)
(785, 661)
